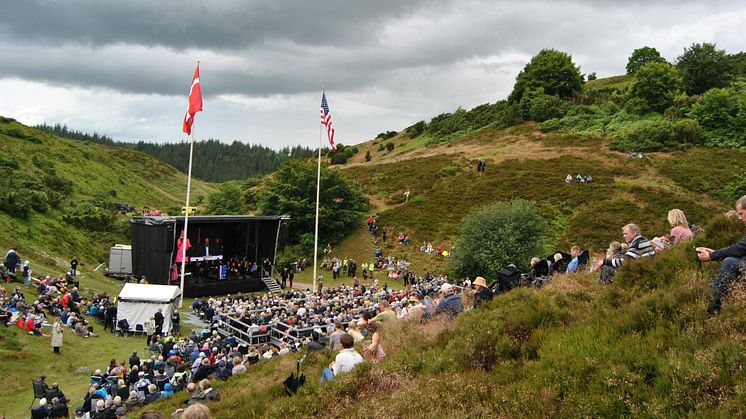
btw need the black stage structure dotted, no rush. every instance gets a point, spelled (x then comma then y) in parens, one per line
(218, 243)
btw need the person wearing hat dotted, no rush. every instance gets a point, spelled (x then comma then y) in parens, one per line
(450, 303)
(483, 293)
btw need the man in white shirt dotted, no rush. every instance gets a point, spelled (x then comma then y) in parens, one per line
(345, 361)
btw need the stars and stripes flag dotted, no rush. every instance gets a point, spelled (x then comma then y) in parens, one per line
(195, 102)
(326, 119)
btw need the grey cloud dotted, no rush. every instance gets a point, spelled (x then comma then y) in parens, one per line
(226, 24)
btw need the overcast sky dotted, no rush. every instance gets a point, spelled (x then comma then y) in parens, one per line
(124, 68)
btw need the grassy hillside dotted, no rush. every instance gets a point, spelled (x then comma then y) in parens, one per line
(77, 183)
(523, 162)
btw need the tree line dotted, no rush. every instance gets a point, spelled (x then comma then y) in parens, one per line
(216, 161)
(213, 160)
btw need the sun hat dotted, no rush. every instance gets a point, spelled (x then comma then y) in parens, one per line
(480, 281)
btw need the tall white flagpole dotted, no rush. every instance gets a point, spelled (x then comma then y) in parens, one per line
(186, 210)
(318, 189)
(186, 219)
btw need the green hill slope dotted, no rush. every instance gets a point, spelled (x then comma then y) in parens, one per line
(523, 162)
(57, 195)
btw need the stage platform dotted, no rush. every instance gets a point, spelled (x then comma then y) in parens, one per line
(212, 288)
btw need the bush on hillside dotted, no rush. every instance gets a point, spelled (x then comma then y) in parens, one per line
(91, 216)
(538, 106)
(390, 147)
(645, 135)
(415, 130)
(680, 107)
(585, 118)
(656, 85)
(367, 156)
(497, 235)
(448, 123)
(339, 158)
(386, 135)
(550, 125)
(722, 115)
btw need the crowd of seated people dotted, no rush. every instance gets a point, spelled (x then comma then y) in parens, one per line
(54, 301)
(185, 365)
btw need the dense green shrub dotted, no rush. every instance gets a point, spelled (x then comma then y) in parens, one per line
(497, 235)
(656, 84)
(588, 118)
(722, 115)
(538, 106)
(645, 135)
(415, 130)
(390, 147)
(386, 135)
(339, 158)
(687, 131)
(367, 156)
(91, 216)
(549, 125)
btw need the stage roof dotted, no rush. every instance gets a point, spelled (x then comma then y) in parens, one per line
(158, 220)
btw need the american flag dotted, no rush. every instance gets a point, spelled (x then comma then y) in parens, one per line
(326, 119)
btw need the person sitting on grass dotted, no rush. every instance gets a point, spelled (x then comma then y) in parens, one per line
(205, 393)
(153, 394)
(483, 294)
(450, 303)
(733, 267)
(345, 361)
(680, 231)
(573, 265)
(639, 247)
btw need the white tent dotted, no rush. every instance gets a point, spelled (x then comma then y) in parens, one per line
(137, 302)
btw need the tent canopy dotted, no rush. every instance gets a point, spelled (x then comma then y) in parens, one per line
(138, 302)
(148, 293)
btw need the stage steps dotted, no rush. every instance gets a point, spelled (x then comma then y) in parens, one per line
(271, 284)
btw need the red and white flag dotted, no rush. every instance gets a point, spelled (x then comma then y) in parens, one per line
(195, 102)
(326, 119)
